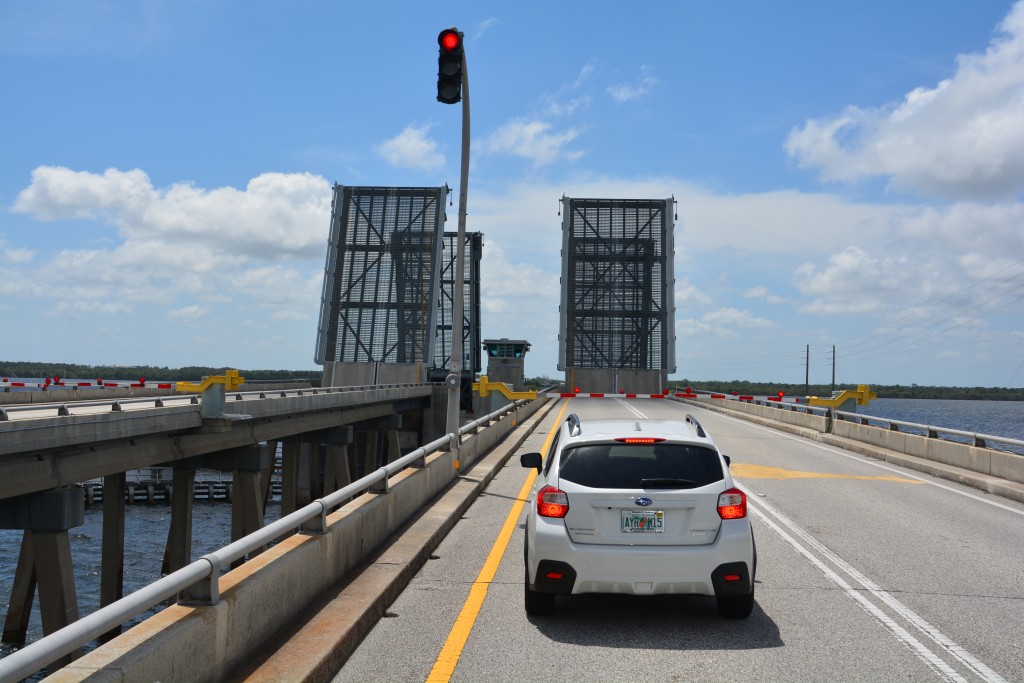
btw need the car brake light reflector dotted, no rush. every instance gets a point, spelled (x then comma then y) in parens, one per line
(732, 504)
(552, 502)
(557, 576)
(732, 577)
(639, 439)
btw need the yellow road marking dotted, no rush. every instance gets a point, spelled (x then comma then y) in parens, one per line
(444, 666)
(748, 471)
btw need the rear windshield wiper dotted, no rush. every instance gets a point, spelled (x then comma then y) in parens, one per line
(666, 483)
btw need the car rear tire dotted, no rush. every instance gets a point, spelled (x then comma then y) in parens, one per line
(537, 604)
(736, 606)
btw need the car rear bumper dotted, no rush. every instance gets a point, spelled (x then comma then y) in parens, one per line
(557, 565)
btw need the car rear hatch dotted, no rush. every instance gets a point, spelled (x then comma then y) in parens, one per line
(659, 494)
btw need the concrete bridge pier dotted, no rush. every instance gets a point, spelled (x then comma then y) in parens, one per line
(300, 470)
(340, 458)
(378, 442)
(44, 560)
(112, 547)
(178, 550)
(251, 467)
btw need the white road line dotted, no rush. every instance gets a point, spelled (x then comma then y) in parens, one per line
(955, 650)
(900, 471)
(632, 409)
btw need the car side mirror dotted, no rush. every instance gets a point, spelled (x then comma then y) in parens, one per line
(530, 460)
(728, 460)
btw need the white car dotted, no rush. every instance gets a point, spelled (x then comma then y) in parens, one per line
(637, 507)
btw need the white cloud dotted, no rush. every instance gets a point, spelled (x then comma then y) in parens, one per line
(19, 285)
(412, 148)
(86, 308)
(508, 287)
(489, 22)
(189, 315)
(15, 254)
(689, 296)
(276, 286)
(184, 252)
(276, 213)
(761, 292)
(585, 73)
(853, 282)
(533, 140)
(723, 323)
(633, 91)
(962, 138)
(965, 228)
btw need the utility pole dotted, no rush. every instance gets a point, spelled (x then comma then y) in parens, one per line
(453, 86)
(807, 372)
(833, 368)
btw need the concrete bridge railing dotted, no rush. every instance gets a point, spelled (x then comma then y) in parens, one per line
(927, 452)
(228, 617)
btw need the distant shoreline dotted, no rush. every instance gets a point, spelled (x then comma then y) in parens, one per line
(153, 374)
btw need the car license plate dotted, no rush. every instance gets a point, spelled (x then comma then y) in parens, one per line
(643, 521)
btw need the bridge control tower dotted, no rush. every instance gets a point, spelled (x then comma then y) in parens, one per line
(617, 312)
(506, 361)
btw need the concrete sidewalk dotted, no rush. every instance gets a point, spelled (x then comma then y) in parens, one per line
(329, 631)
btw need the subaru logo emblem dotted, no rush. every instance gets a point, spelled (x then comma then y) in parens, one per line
(644, 501)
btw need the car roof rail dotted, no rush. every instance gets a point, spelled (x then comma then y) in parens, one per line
(575, 429)
(692, 420)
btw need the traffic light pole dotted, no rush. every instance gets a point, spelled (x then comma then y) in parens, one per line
(458, 304)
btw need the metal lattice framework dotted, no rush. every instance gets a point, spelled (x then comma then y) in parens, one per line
(471, 304)
(617, 284)
(380, 293)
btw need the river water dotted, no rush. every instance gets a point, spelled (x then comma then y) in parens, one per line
(995, 418)
(146, 526)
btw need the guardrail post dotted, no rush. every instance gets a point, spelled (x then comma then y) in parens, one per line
(382, 486)
(317, 526)
(205, 591)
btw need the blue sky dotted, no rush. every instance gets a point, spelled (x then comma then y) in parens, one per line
(846, 173)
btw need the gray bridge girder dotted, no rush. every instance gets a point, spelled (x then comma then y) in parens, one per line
(45, 453)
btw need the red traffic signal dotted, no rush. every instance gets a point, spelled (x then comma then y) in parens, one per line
(449, 40)
(449, 66)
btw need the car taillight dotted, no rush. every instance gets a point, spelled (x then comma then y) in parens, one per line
(552, 502)
(639, 439)
(732, 504)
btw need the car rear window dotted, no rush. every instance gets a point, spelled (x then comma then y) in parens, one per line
(633, 466)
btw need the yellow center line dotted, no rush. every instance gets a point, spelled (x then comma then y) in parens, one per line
(444, 666)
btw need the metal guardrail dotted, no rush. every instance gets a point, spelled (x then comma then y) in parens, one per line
(930, 431)
(68, 408)
(198, 582)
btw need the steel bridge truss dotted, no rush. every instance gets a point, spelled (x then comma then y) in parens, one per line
(381, 279)
(471, 363)
(617, 306)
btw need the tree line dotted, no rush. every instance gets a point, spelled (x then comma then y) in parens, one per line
(191, 373)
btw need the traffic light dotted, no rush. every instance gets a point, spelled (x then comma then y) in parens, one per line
(449, 66)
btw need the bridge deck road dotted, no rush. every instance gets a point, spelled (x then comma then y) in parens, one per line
(866, 572)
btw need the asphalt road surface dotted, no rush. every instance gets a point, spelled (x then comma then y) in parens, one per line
(866, 572)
